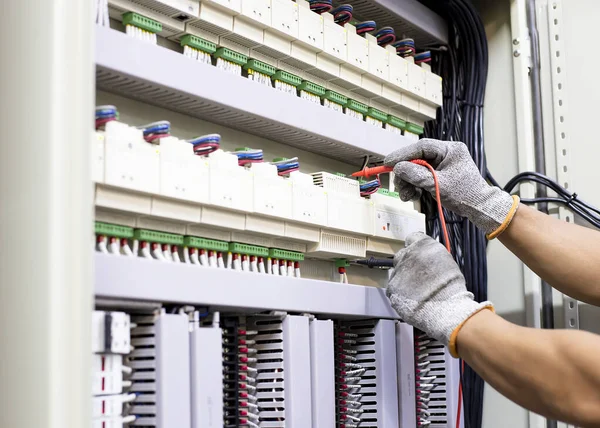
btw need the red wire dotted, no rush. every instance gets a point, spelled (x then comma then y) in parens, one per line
(439, 201)
(447, 242)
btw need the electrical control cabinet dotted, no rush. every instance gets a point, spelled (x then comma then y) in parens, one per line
(133, 163)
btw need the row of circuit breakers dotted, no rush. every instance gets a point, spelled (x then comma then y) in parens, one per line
(183, 368)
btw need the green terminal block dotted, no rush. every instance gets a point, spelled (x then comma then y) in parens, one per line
(280, 159)
(386, 192)
(158, 237)
(113, 230)
(396, 122)
(251, 250)
(341, 263)
(340, 174)
(377, 114)
(206, 244)
(289, 78)
(243, 149)
(414, 129)
(132, 18)
(334, 97)
(260, 67)
(231, 56)
(198, 43)
(356, 106)
(276, 253)
(312, 88)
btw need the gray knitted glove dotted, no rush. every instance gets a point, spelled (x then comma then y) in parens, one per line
(462, 188)
(428, 290)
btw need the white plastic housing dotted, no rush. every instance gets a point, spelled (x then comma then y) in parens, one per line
(357, 50)
(309, 202)
(394, 219)
(107, 406)
(284, 18)
(433, 88)
(310, 28)
(378, 59)
(232, 6)
(230, 185)
(215, 17)
(117, 340)
(416, 79)
(183, 175)
(335, 244)
(258, 11)
(334, 39)
(272, 193)
(130, 161)
(97, 157)
(349, 213)
(107, 374)
(398, 68)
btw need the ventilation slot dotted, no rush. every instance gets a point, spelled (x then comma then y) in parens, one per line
(356, 376)
(143, 378)
(267, 341)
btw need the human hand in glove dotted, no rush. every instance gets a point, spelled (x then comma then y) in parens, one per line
(462, 188)
(428, 291)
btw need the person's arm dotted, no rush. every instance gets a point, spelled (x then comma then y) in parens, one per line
(554, 373)
(566, 255)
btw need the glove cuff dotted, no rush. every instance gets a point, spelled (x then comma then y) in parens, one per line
(511, 213)
(452, 345)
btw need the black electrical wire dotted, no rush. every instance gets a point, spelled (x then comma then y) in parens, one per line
(572, 201)
(463, 66)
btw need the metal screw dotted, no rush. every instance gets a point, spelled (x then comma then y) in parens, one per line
(516, 42)
(517, 53)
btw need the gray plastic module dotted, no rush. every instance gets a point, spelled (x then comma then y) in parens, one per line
(322, 365)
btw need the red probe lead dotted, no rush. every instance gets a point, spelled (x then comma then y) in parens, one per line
(370, 172)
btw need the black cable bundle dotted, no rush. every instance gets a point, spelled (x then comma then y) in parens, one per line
(463, 65)
(584, 210)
